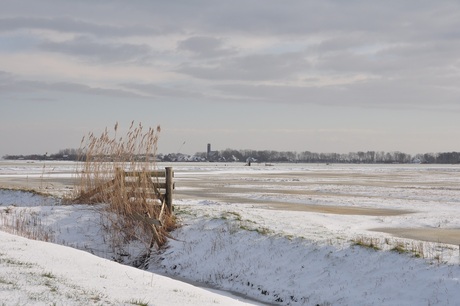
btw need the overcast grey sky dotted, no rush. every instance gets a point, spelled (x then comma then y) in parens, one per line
(300, 75)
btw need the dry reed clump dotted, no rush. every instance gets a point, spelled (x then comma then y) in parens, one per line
(25, 223)
(417, 249)
(134, 204)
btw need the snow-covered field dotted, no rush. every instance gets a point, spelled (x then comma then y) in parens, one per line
(288, 234)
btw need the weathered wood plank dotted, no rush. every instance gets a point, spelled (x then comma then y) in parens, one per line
(88, 195)
(159, 173)
(169, 188)
(140, 185)
(147, 219)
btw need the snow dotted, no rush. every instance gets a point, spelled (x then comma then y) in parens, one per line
(283, 235)
(39, 273)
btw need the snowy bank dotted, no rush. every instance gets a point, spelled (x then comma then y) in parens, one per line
(39, 273)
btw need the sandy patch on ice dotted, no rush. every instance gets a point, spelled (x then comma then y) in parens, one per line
(441, 235)
(338, 210)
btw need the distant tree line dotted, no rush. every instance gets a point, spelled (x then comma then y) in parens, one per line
(270, 156)
(368, 157)
(64, 154)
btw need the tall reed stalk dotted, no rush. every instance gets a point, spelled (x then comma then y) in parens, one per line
(131, 205)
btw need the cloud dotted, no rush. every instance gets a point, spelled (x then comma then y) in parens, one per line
(72, 25)
(384, 94)
(4, 76)
(109, 18)
(404, 58)
(205, 47)
(10, 84)
(7, 82)
(361, 53)
(251, 67)
(86, 48)
(162, 91)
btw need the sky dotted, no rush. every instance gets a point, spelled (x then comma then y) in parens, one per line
(299, 75)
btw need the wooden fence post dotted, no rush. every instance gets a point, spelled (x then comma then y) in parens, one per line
(169, 188)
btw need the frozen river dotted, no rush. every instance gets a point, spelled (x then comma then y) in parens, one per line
(413, 201)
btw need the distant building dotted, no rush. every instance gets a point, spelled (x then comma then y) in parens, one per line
(211, 155)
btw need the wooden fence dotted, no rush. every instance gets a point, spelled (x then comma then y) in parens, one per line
(149, 182)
